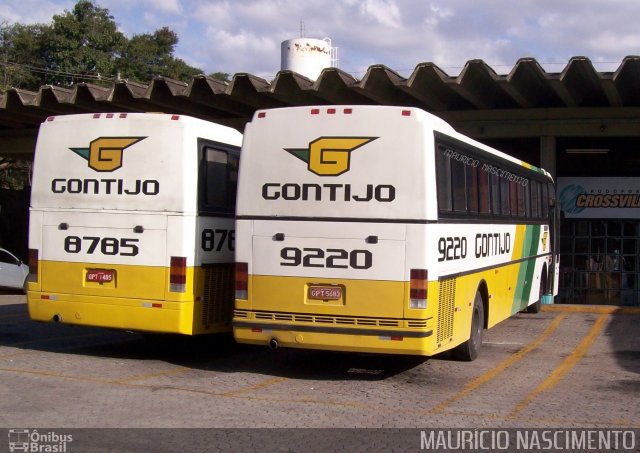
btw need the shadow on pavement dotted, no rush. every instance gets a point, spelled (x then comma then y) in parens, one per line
(210, 352)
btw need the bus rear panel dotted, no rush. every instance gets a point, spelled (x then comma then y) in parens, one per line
(118, 234)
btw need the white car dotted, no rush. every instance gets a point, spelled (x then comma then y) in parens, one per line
(13, 272)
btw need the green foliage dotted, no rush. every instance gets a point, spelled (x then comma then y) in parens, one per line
(84, 45)
(14, 174)
(84, 41)
(222, 76)
(151, 54)
(20, 56)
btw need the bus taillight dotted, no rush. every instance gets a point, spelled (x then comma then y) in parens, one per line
(418, 288)
(33, 265)
(242, 278)
(178, 274)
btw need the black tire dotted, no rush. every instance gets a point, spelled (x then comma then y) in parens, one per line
(534, 307)
(469, 350)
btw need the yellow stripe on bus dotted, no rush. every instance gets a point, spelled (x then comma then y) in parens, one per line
(138, 299)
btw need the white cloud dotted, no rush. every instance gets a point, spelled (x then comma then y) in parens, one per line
(31, 11)
(169, 6)
(218, 13)
(385, 12)
(244, 36)
(231, 51)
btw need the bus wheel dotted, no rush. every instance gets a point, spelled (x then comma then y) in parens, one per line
(469, 350)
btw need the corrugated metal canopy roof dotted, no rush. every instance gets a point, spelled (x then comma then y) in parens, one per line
(478, 87)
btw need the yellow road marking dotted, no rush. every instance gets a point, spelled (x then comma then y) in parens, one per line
(259, 386)
(150, 375)
(502, 366)
(327, 402)
(13, 354)
(54, 374)
(566, 365)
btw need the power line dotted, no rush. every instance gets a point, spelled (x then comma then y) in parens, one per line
(35, 69)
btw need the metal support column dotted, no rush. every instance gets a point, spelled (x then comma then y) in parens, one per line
(548, 154)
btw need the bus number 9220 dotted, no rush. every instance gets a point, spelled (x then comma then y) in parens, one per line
(329, 258)
(452, 248)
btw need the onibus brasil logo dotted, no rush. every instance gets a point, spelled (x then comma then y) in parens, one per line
(329, 156)
(105, 153)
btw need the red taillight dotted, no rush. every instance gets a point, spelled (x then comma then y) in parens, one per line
(242, 281)
(33, 265)
(178, 274)
(418, 288)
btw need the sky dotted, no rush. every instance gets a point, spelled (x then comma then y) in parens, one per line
(244, 36)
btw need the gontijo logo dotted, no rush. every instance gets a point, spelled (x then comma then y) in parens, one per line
(329, 156)
(105, 153)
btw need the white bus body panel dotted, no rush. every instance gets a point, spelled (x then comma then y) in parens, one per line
(120, 192)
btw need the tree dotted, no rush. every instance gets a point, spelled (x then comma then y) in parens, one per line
(21, 56)
(82, 44)
(151, 54)
(85, 45)
(222, 76)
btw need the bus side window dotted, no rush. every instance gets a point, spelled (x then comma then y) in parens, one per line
(535, 199)
(520, 191)
(232, 179)
(504, 197)
(545, 201)
(513, 198)
(495, 195)
(472, 188)
(218, 180)
(527, 199)
(458, 181)
(443, 179)
(483, 192)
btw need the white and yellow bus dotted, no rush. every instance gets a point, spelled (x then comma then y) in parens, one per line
(380, 229)
(132, 222)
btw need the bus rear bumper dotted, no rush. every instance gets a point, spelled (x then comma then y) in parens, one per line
(118, 313)
(381, 341)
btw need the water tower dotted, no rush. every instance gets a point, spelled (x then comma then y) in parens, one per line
(307, 56)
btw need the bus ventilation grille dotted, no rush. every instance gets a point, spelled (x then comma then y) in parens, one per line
(217, 302)
(446, 303)
(322, 319)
